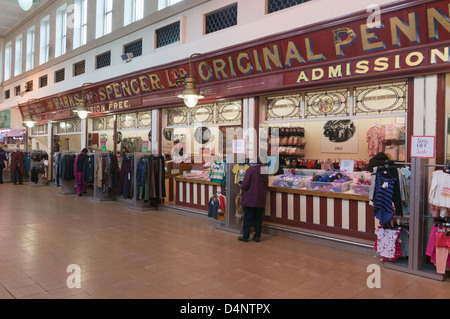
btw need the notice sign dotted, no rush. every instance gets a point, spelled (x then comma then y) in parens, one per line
(422, 146)
(239, 146)
(347, 166)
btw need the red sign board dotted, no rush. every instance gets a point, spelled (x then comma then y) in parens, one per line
(409, 36)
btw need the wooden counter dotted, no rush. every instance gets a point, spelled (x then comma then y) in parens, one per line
(344, 214)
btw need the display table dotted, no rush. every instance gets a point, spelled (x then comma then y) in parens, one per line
(195, 193)
(345, 214)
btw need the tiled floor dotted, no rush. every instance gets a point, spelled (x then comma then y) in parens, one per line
(123, 253)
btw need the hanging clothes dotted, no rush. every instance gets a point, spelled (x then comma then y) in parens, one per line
(439, 244)
(218, 172)
(150, 178)
(239, 172)
(375, 138)
(125, 182)
(387, 193)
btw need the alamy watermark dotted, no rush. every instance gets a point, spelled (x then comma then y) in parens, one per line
(74, 279)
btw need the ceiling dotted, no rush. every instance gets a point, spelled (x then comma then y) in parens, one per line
(12, 15)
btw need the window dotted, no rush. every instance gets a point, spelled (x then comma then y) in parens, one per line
(44, 40)
(43, 81)
(103, 60)
(80, 23)
(166, 3)
(168, 35)
(276, 5)
(8, 61)
(61, 31)
(79, 68)
(221, 19)
(59, 75)
(133, 11)
(7, 94)
(83, 22)
(17, 90)
(29, 86)
(31, 35)
(18, 56)
(108, 16)
(135, 48)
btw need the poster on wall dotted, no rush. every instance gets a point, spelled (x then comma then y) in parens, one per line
(339, 136)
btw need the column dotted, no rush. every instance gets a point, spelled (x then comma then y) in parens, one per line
(156, 132)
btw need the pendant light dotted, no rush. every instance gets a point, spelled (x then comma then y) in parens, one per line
(191, 94)
(29, 121)
(25, 4)
(82, 109)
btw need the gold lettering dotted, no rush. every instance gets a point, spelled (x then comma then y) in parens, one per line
(411, 31)
(293, 54)
(302, 77)
(248, 68)
(310, 54)
(144, 85)
(416, 54)
(154, 81)
(367, 37)
(135, 86)
(208, 76)
(443, 56)
(219, 68)
(126, 88)
(257, 61)
(339, 43)
(232, 70)
(317, 74)
(335, 72)
(272, 56)
(381, 64)
(434, 17)
(362, 67)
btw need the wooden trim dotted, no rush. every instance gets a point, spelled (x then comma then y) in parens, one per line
(195, 181)
(307, 192)
(441, 119)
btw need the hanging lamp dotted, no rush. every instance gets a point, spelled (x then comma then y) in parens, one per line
(191, 94)
(29, 121)
(82, 109)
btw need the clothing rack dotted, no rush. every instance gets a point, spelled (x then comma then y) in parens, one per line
(139, 204)
(98, 194)
(67, 186)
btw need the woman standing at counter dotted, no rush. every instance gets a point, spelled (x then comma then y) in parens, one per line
(254, 185)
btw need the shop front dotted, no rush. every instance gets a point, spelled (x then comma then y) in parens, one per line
(321, 102)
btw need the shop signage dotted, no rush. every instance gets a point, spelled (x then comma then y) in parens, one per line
(423, 146)
(410, 36)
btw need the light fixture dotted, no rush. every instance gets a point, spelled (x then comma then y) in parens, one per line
(191, 94)
(25, 4)
(29, 121)
(82, 109)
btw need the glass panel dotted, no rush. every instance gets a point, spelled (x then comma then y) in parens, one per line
(176, 116)
(145, 120)
(229, 112)
(327, 103)
(384, 98)
(284, 107)
(127, 121)
(203, 114)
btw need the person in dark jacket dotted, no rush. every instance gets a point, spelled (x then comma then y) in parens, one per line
(3, 160)
(78, 168)
(254, 185)
(17, 167)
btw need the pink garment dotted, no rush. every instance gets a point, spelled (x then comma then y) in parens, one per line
(375, 138)
(79, 182)
(431, 249)
(386, 245)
